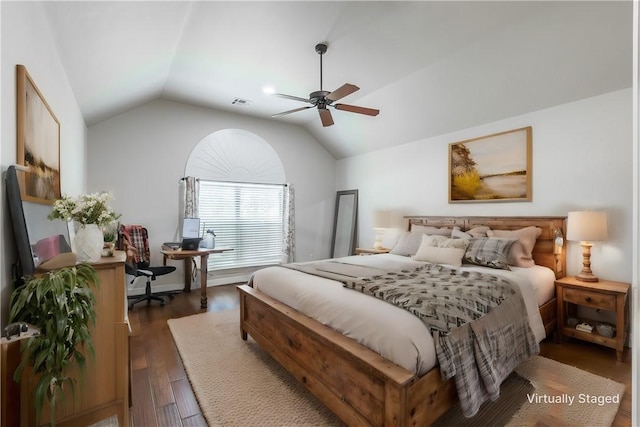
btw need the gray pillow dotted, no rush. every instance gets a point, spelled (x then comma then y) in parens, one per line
(408, 243)
(488, 252)
(458, 234)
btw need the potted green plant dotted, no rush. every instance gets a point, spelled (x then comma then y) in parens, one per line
(109, 236)
(60, 304)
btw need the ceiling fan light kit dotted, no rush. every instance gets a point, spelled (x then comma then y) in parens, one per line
(322, 99)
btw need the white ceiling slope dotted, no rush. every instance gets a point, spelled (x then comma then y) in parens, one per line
(430, 67)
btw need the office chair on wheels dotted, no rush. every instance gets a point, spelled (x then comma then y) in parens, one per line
(134, 240)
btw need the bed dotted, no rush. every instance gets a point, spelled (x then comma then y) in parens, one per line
(356, 383)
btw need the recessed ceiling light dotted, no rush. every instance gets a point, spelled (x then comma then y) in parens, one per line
(269, 90)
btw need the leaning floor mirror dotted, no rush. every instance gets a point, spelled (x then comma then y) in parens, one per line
(343, 241)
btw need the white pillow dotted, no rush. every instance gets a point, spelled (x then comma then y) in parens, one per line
(441, 250)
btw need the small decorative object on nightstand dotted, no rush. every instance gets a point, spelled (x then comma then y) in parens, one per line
(603, 295)
(370, 251)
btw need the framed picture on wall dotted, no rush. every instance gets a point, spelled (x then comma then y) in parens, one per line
(38, 132)
(491, 168)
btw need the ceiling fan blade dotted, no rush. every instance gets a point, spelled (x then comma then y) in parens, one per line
(294, 98)
(356, 109)
(284, 113)
(342, 91)
(325, 117)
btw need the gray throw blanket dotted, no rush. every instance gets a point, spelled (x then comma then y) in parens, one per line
(479, 321)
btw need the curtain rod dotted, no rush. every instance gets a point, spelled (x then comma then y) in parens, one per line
(233, 182)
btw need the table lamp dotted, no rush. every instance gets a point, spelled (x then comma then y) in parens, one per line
(381, 221)
(587, 227)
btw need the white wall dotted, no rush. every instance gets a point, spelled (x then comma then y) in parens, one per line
(140, 156)
(634, 301)
(582, 159)
(27, 40)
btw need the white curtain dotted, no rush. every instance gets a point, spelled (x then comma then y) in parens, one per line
(289, 243)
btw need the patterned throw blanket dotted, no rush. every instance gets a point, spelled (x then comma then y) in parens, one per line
(477, 320)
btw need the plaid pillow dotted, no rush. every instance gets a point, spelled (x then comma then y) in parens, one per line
(489, 252)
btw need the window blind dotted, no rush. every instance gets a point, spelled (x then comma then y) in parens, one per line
(245, 217)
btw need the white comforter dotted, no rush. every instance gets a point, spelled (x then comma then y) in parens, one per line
(388, 330)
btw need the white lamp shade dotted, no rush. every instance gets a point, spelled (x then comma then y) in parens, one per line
(382, 219)
(587, 226)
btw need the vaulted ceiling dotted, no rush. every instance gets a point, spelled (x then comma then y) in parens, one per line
(430, 67)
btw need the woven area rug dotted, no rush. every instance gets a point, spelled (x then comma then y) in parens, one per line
(238, 384)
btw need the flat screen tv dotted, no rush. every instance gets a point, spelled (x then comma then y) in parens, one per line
(37, 238)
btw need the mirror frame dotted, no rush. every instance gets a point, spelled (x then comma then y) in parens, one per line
(354, 222)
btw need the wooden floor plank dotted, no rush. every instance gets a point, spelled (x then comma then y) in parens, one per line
(151, 324)
(185, 399)
(195, 421)
(143, 409)
(168, 415)
(138, 353)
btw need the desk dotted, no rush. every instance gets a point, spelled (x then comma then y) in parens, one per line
(187, 256)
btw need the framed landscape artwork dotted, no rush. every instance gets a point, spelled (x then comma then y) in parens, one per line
(38, 132)
(491, 168)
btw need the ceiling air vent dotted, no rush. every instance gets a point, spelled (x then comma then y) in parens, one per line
(240, 102)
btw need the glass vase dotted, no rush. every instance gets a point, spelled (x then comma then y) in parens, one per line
(88, 243)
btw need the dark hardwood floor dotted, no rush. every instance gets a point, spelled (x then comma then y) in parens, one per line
(162, 395)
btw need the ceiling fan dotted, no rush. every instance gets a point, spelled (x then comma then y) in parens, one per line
(323, 98)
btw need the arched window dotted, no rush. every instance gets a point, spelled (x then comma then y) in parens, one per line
(242, 197)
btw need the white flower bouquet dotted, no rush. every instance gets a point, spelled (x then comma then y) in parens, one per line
(85, 209)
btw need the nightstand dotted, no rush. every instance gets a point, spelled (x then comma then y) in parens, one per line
(603, 295)
(371, 251)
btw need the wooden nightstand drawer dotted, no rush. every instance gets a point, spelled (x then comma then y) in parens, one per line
(591, 299)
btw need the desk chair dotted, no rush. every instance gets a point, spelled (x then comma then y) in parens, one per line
(134, 239)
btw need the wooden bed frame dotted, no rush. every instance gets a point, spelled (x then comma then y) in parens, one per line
(357, 384)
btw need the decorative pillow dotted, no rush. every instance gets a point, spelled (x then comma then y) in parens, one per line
(432, 231)
(441, 250)
(520, 254)
(408, 243)
(489, 252)
(478, 232)
(456, 233)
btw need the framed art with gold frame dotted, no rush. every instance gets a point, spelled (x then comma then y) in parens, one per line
(492, 168)
(38, 132)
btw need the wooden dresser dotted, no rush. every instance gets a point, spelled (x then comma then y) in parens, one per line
(105, 389)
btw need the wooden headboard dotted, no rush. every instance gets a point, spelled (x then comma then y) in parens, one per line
(545, 251)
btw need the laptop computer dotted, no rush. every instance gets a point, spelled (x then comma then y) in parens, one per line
(191, 234)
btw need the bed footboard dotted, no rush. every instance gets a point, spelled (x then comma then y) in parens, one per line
(357, 384)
